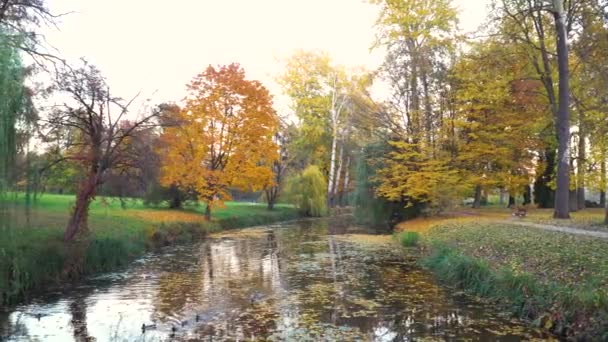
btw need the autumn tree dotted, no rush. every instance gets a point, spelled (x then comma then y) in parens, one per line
(96, 136)
(223, 137)
(499, 115)
(420, 38)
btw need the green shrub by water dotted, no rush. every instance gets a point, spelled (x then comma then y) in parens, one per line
(408, 239)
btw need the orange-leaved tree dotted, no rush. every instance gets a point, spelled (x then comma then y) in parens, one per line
(222, 138)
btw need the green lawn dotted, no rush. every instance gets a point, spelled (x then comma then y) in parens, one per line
(32, 253)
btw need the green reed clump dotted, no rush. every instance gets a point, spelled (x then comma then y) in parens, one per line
(408, 239)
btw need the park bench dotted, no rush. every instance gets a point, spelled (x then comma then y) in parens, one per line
(520, 211)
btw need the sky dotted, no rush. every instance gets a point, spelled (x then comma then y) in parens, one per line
(155, 47)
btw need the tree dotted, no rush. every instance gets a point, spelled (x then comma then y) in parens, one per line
(279, 169)
(499, 116)
(562, 120)
(222, 138)
(98, 138)
(325, 97)
(19, 20)
(11, 109)
(307, 192)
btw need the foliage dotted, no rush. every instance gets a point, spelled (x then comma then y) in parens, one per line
(498, 132)
(371, 209)
(222, 138)
(409, 174)
(307, 191)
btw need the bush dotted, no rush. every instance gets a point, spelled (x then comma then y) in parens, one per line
(307, 191)
(409, 239)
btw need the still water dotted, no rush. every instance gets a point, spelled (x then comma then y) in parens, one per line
(300, 281)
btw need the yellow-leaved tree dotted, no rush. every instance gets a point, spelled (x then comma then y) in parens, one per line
(222, 138)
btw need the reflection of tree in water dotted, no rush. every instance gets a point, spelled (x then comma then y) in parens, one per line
(78, 310)
(9, 329)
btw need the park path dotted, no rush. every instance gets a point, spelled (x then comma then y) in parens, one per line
(567, 230)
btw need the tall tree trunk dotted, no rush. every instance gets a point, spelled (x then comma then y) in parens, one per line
(511, 201)
(562, 121)
(581, 164)
(78, 219)
(477, 199)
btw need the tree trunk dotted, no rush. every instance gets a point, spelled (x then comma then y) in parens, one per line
(344, 193)
(332, 167)
(208, 211)
(338, 174)
(477, 200)
(603, 181)
(271, 196)
(544, 196)
(562, 121)
(511, 201)
(580, 165)
(572, 201)
(501, 200)
(78, 220)
(527, 195)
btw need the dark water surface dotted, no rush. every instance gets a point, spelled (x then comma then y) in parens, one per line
(292, 282)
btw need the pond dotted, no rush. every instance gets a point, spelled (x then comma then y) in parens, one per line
(298, 281)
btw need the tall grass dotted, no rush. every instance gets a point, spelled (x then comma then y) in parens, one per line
(561, 309)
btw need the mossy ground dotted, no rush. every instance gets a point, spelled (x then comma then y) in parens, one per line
(33, 254)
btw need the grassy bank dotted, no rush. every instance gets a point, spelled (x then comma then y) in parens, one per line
(32, 253)
(557, 281)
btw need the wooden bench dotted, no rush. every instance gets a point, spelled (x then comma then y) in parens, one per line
(520, 211)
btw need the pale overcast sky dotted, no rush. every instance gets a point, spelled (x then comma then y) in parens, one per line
(154, 45)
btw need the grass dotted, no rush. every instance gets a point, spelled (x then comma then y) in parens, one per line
(33, 255)
(557, 280)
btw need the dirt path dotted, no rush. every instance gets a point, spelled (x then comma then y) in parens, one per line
(567, 230)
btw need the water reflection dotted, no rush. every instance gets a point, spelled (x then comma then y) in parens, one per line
(289, 282)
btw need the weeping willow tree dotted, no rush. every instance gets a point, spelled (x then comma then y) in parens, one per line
(307, 191)
(11, 108)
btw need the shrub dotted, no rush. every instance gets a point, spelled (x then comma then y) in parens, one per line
(409, 239)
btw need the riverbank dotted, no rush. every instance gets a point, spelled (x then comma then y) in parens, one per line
(32, 253)
(557, 281)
